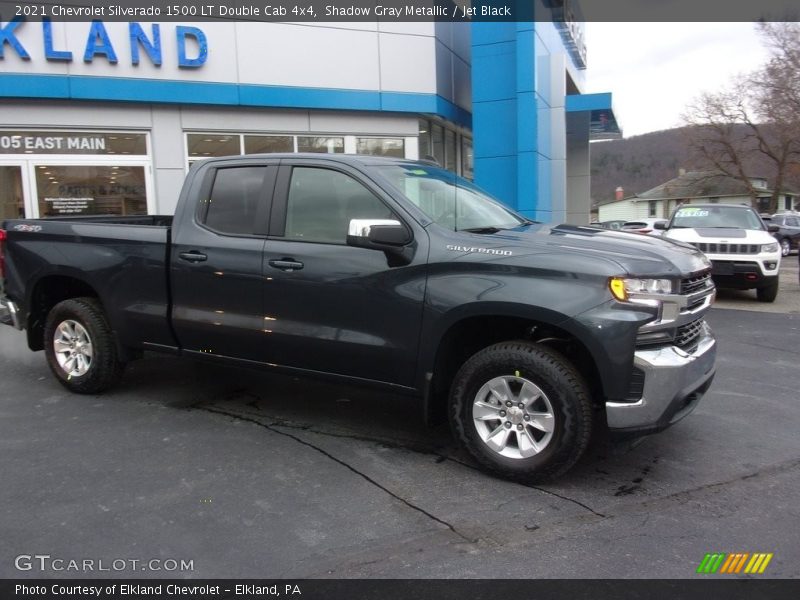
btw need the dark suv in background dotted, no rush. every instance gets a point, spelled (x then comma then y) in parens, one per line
(788, 235)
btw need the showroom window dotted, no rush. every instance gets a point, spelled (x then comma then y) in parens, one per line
(208, 145)
(201, 145)
(437, 143)
(91, 190)
(382, 146)
(451, 149)
(450, 158)
(267, 144)
(330, 145)
(425, 139)
(47, 173)
(467, 158)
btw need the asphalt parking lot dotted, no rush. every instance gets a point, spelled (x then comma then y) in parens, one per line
(253, 475)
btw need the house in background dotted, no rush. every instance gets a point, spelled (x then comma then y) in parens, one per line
(692, 187)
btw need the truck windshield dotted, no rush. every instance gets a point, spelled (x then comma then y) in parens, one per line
(450, 201)
(717, 217)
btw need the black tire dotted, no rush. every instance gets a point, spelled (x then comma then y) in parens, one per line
(768, 293)
(104, 368)
(786, 247)
(564, 388)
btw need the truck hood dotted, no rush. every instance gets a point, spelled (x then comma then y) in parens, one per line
(632, 253)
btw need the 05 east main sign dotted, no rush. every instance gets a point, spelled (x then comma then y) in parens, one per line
(192, 44)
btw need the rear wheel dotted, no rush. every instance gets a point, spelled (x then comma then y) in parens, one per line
(768, 293)
(521, 410)
(80, 347)
(786, 247)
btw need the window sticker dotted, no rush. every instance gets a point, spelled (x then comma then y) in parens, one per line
(692, 212)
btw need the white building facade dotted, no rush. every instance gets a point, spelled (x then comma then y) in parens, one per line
(106, 117)
(102, 118)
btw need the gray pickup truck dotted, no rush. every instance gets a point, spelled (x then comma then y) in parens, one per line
(384, 272)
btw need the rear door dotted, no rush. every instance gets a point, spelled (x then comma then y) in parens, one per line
(216, 262)
(330, 307)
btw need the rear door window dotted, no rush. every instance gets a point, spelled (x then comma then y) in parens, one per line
(236, 197)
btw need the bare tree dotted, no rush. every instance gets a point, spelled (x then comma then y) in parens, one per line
(756, 118)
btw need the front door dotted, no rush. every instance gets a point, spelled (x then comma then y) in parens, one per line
(330, 307)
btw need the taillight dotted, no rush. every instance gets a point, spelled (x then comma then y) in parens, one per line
(644, 231)
(2, 253)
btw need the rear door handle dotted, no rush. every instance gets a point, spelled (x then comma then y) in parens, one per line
(286, 264)
(193, 256)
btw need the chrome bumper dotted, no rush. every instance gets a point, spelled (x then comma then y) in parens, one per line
(12, 317)
(674, 382)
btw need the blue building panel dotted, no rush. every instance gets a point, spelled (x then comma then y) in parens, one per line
(493, 33)
(501, 117)
(528, 183)
(543, 209)
(121, 89)
(525, 71)
(527, 122)
(499, 60)
(500, 173)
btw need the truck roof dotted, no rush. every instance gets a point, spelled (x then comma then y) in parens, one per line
(349, 159)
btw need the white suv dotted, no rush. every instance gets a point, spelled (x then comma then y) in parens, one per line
(743, 254)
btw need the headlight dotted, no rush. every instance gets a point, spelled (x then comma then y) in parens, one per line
(623, 287)
(769, 247)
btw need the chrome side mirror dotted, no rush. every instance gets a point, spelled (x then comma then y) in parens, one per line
(379, 234)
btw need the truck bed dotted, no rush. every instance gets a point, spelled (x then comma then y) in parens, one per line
(123, 259)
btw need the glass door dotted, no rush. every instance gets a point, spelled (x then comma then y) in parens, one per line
(12, 191)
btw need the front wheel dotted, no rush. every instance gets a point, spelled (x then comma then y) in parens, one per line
(80, 347)
(521, 410)
(768, 293)
(786, 247)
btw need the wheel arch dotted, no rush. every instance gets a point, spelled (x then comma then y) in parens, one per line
(469, 329)
(45, 293)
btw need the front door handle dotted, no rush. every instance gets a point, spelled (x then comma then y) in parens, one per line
(193, 256)
(286, 264)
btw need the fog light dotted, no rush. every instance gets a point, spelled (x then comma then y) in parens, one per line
(770, 266)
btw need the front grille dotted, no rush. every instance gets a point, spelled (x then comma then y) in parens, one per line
(709, 248)
(690, 285)
(687, 336)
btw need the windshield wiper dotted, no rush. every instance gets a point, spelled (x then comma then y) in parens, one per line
(489, 229)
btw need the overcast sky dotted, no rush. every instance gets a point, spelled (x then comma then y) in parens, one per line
(654, 69)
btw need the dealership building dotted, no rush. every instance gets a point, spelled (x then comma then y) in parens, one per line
(107, 117)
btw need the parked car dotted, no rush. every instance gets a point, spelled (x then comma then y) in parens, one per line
(743, 253)
(614, 224)
(386, 272)
(788, 234)
(645, 226)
